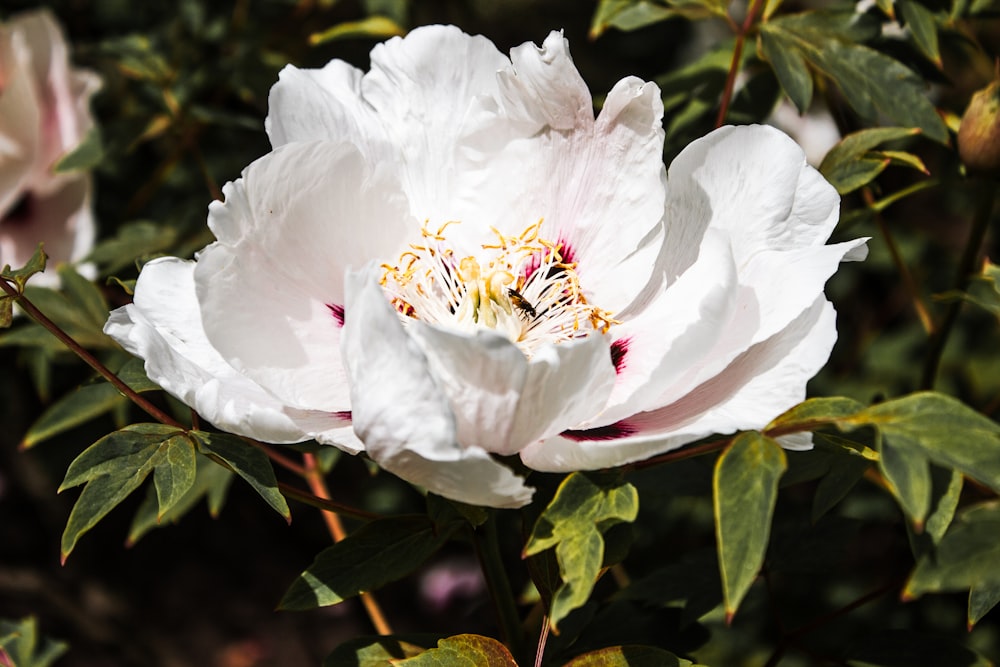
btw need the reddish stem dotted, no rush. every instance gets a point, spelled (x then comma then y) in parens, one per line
(88, 358)
(734, 66)
(318, 485)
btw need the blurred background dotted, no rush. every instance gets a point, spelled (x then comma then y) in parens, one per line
(181, 112)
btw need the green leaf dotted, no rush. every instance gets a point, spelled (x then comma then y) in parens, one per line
(73, 409)
(629, 656)
(133, 240)
(631, 15)
(86, 403)
(377, 651)
(248, 462)
(932, 424)
(966, 556)
(789, 66)
(34, 265)
(872, 82)
(211, 482)
(24, 647)
(946, 491)
(378, 27)
(847, 467)
(573, 523)
(114, 467)
(87, 154)
(814, 413)
(692, 581)
(852, 163)
(983, 596)
(176, 477)
(923, 27)
(133, 373)
(745, 488)
(19, 277)
(908, 473)
(463, 651)
(984, 291)
(84, 295)
(71, 315)
(137, 58)
(379, 552)
(442, 510)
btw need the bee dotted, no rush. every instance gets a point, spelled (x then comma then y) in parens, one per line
(521, 303)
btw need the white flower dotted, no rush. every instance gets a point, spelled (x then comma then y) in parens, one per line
(449, 258)
(815, 131)
(44, 114)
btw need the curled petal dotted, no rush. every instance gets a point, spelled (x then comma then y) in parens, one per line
(403, 416)
(503, 401)
(757, 386)
(286, 231)
(163, 326)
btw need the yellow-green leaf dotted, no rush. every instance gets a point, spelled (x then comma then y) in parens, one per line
(573, 523)
(115, 466)
(246, 461)
(745, 488)
(629, 656)
(463, 651)
(379, 552)
(378, 27)
(87, 154)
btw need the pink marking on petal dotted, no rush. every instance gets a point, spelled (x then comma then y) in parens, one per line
(619, 349)
(565, 251)
(344, 415)
(338, 313)
(610, 432)
(568, 256)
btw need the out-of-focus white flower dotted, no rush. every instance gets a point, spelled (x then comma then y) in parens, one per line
(449, 259)
(44, 114)
(815, 131)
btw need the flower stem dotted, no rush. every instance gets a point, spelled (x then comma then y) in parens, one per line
(88, 358)
(907, 277)
(685, 453)
(542, 638)
(314, 476)
(293, 493)
(734, 66)
(488, 551)
(963, 276)
(158, 414)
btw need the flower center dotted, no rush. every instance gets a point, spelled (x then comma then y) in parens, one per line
(520, 286)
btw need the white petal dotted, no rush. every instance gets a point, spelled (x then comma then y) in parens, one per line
(754, 183)
(426, 90)
(501, 400)
(787, 282)
(545, 88)
(403, 417)
(675, 333)
(759, 385)
(598, 186)
(796, 442)
(163, 326)
(315, 104)
(287, 230)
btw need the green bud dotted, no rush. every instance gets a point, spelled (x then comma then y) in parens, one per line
(979, 133)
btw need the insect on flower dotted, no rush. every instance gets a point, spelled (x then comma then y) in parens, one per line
(522, 304)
